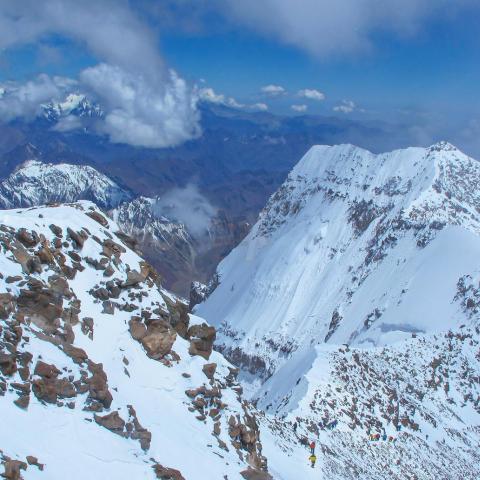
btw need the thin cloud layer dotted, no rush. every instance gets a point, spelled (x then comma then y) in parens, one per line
(324, 28)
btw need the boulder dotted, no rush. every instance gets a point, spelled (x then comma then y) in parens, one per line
(98, 217)
(97, 385)
(112, 422)
(13, 469)
(251, 474)
(57, 231)
(77, 238)
(133, 278)
(137, 329)
(46, 370)
(7, 305)
(209, 370)
(164, 473)
(8, 364)
(28, 240)
(159, 339)
(201, 340)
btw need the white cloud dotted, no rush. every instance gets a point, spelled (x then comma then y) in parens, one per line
(145, 103)
(324, 28)
(25, 100)
(346, 106)
(188, 206)
(299, 108)
(142, 114)
(311, 94)
(273, 90)
(208, 94)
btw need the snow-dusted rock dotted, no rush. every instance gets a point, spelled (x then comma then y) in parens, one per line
(37, 183)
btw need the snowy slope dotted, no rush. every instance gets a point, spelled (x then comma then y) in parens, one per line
(37, 183)
(75, 297)
(355, 300)
(354, 248)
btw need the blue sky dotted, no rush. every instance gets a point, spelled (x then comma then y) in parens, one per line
(415, 58)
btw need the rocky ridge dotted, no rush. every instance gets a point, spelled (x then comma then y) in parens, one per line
(91, 343)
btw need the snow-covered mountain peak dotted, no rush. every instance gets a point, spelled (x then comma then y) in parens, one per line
(343, 250)
(76, 104)
(37, 183)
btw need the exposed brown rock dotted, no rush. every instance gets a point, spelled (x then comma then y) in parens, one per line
(251, 474)
(112, 422)
(77, 354)
(201, 340)
(13, 469)
(137, 431)
(133, 278)
(8, 364)
(164, 473)
(77, 238)
(45, 389)
(45, 370)
(159, 339)
(209, 370)
(98, 387)
(98, 217)
(34, 461)
(28, 240)
(7, 305)
(137, 329)
(57, 231)
(22, 401)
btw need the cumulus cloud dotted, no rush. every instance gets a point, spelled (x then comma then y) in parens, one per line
(208, 95)
(188, 206)
(346, 106)
(325, 28)
(273, 90)
(145, 103)
(299, 108)
(139, 113)
(311, 94)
